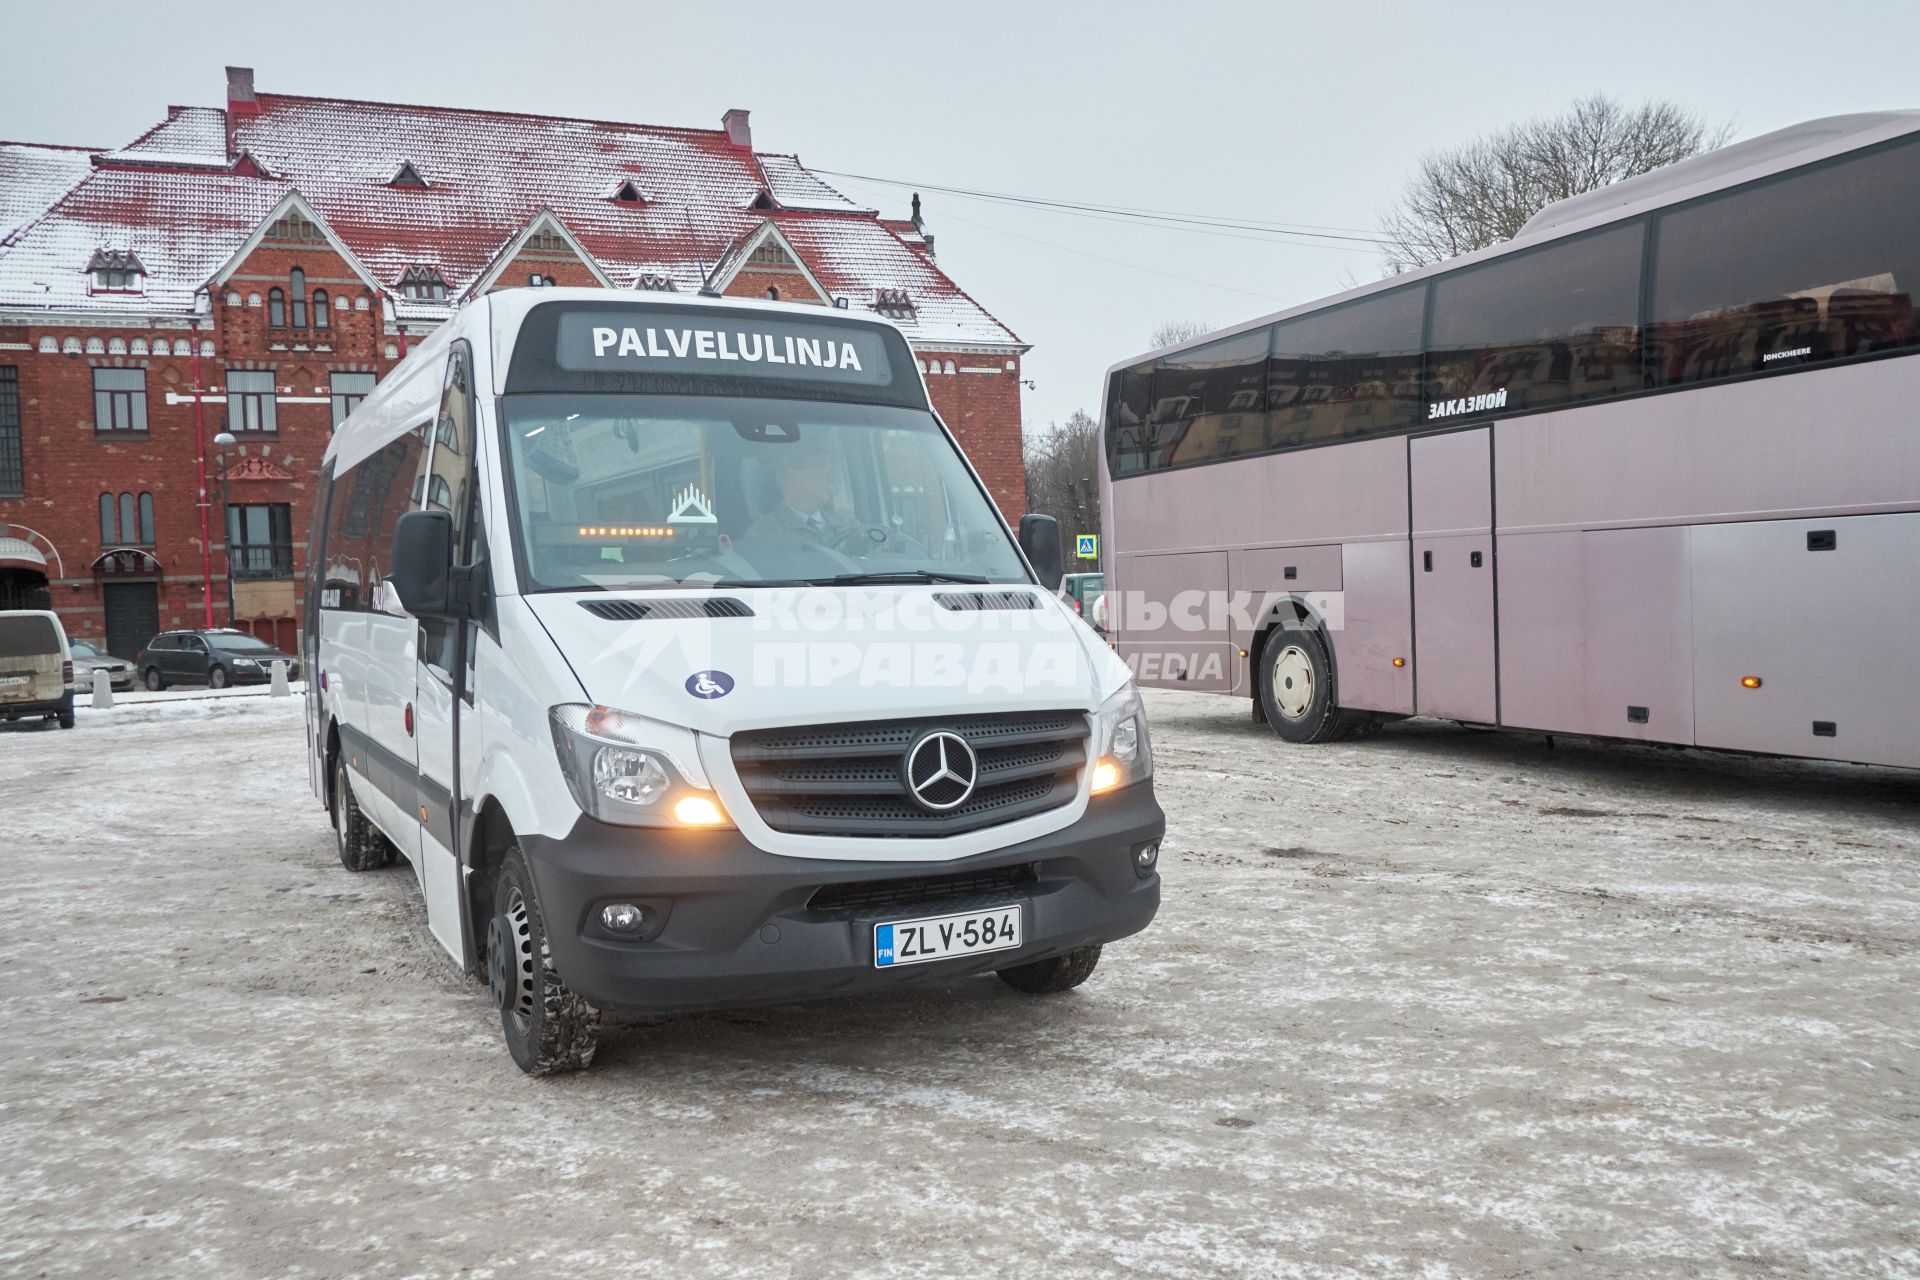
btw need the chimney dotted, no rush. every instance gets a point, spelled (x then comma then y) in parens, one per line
(920, 225)
(734, 122)
(240, 99)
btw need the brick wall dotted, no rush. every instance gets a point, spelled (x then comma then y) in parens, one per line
(983, 409)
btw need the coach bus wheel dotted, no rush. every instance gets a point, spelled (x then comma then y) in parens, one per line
(549, 1029)
(1056, 973)
(1296, 690)
(361, 847)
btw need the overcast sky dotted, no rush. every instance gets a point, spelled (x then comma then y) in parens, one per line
(1282, 112)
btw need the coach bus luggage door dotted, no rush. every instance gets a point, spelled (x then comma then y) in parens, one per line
(443, 677)
(1451, 492)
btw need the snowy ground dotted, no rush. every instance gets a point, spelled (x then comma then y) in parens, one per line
(1444, 1004)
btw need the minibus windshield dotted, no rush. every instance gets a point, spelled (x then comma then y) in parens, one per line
(617, 492)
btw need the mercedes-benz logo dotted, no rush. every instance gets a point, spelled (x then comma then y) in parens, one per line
(941, 770)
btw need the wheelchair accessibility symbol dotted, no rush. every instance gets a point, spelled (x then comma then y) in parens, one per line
(709, 684)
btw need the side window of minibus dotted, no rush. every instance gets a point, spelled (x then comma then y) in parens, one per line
(446, 484)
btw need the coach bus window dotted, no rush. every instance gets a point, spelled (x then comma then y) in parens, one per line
(1549, 326)
(1129, 405)
(1208, 401)
(1820, 264)
(1347, 372)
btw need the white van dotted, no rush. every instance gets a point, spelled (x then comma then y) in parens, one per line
(36, 667)
(677, 647)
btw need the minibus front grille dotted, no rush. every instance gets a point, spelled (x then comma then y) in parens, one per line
(641, 610)
(866, 895)
(850, 779)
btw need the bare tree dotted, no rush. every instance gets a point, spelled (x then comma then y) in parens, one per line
(1168, 332)
(1063, 476)
(1484, 192)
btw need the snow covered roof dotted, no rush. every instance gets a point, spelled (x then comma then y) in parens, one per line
(181, 225)
(32, 177)
(489, 175)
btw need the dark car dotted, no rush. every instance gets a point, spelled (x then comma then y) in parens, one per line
(89, 658)
(215, 657)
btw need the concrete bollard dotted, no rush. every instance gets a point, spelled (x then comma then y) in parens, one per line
(102, 691)
(280, 689)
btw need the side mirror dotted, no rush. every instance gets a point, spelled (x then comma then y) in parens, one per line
(422, 570)
(1040, 540)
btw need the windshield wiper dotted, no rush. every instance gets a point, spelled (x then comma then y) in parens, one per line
(896, 575)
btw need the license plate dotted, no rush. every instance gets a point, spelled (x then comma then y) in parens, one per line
(970, 933)
(15, 682)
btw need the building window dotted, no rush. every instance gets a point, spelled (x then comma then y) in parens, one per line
(276, 308)
(260, 540)
(773, 293)
(423, 284)
(119, 399)
(126, 520)
(297, 313)
(12, 470)
(348, 389)
(538, 281)
(115, 271)
(322, 310)
(250, 404)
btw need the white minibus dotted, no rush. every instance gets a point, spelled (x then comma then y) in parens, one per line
(676, 646)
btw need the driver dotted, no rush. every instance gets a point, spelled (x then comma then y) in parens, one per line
(805, 509)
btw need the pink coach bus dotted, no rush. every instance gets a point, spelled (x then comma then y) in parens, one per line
(1649, 470)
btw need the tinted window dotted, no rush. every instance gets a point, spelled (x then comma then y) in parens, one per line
(12, 473)
(1209, 401)
(366, 503)
(1821, 264)
(1550, 326)
(1347, 372)
(27, 637)
(1129, 404)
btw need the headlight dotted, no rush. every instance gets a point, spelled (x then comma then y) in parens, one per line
(629, 769)
(245, 662)
(1123, 755)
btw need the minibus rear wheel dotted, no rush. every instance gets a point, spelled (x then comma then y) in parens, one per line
(361, 847)
(549, 1029)
(1297, 690)
(1055, 973)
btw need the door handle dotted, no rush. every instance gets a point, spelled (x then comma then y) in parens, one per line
(1426, 561)
(1474, 559)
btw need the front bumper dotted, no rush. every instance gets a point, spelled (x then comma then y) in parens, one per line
(739, 928)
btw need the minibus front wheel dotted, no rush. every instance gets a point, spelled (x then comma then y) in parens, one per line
(359, 843)
(549, 1029)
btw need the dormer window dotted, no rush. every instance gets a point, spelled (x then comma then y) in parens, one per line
(895, 304)
(408, 176)
(116, 271)
(627, 192)
(423, 284)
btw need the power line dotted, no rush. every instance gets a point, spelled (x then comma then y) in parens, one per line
(1115, 212)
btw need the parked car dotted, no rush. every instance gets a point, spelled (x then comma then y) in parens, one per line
(1081, 590)
(89, 657)
(214, 656)
(36, 667)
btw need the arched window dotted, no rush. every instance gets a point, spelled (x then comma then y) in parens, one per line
(440, 494)
(949, 368)
(297, 283)
(322, 317)
(108, 529)
(146, 519)
(129, 521)
(276, 308)
(773, 293)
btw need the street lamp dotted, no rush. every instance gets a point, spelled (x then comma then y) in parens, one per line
(221, 443)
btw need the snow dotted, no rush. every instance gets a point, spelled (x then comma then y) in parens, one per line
(33, 177)
(1441, 1003)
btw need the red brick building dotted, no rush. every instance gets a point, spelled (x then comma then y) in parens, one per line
(254, 268)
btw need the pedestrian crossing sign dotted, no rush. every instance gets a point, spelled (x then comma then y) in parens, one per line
(1088, 546)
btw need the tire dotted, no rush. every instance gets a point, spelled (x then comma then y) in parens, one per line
(154, 680)
(1296, 689)
(549, 1030)
(66, 715)
(361, 847)
(1054, 974)
(217, 678)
